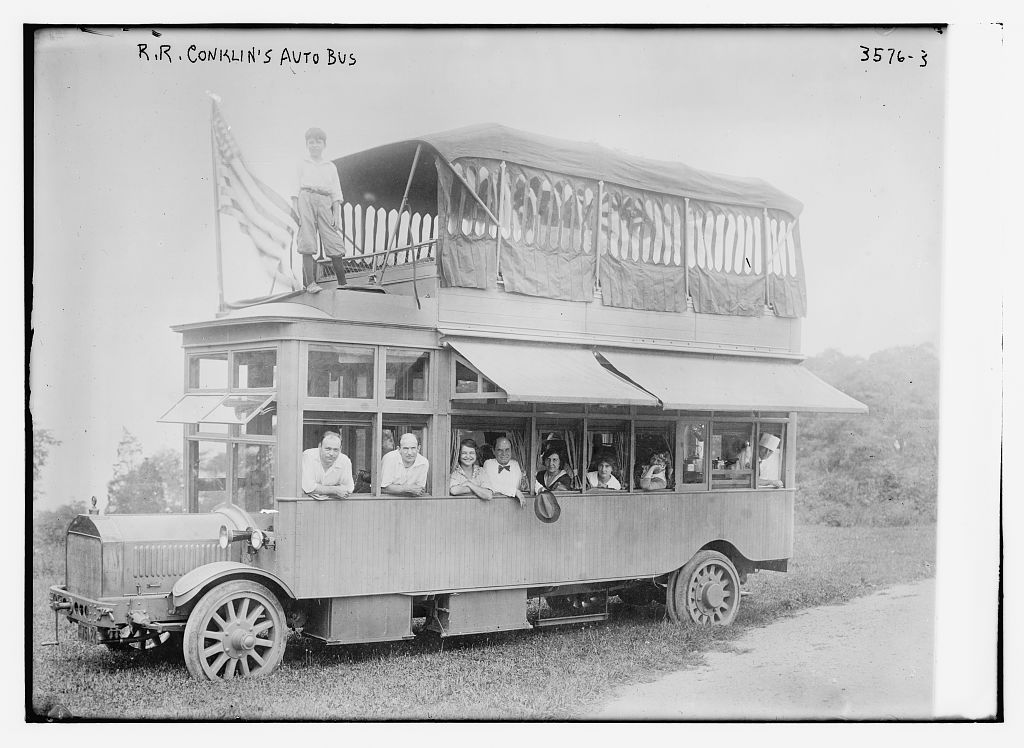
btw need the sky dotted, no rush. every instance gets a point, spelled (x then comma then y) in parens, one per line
(124, 232)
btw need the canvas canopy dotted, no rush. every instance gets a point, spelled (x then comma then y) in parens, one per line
(654, 234)
(391, 163)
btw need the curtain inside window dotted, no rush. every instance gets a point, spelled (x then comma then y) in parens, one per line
(520, 452)
(572, 448)
(455, 451)
(622, 455)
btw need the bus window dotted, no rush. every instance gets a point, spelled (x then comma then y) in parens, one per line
(208, 466)
(732, 455)
(391, 436)
(771, 443)
(607, 446)
(208, 371)
(692, 473)
(486, 432)
(655, 455)
(254, 477)
(406, 374)
(466, 380)
(263, 424)
(340, 371)
(355, 444)
(254, 369)
(562, 441)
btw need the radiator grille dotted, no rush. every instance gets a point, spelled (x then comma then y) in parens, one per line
(155, 561)
(84, 565)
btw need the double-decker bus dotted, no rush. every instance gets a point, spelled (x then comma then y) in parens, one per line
(559, 298)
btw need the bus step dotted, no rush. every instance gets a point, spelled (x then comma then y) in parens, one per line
(559, 620)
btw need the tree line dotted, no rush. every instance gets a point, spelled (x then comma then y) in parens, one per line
(139, 485)
(880, 468)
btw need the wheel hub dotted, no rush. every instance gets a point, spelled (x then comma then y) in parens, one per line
(713, 595)
(240, 641)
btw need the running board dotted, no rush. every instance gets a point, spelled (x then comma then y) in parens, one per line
(559, 620)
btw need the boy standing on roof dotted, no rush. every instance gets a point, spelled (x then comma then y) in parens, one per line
(317, 200)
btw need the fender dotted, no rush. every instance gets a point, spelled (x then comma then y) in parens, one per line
(192, 583)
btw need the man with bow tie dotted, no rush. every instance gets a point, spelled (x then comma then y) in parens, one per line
(503, 475)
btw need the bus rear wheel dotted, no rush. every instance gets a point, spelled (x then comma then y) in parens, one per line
(705, 591)
(236, 630)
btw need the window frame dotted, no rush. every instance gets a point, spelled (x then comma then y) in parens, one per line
(195, 355)
(783, 424)
(231, 435)
(382, 373)
(639, 424)
(329, 419)
(422, 421)
(480, 393)
(752, 421)
(591, 423)
(545, 422)
(233, 368)
(492, 422)
(704, 485)
(545, 417)
(322, 403)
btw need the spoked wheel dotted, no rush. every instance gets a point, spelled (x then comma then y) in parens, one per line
(705, 591)
(236, 630)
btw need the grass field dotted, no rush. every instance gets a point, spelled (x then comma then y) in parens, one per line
(554, 673)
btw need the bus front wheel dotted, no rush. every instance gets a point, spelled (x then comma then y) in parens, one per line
(705, 591)
(236, 630)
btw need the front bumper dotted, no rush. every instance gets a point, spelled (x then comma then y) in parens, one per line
(146, 611)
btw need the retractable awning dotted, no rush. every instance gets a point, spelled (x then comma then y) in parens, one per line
(686, 382)
(533, 372)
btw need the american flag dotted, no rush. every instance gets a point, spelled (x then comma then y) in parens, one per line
(262, 214)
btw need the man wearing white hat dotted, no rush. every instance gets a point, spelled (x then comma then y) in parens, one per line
(769, 462)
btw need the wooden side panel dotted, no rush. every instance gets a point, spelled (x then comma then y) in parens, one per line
(484, 610)
(629, 324)
(381, 546)
(497, 311)
(362, 619)
(242, 334)
(795, 332)
(511, 316)
(768, 332)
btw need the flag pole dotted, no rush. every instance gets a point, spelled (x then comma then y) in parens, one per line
(221, 306)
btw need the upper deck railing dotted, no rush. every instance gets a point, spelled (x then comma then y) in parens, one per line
(376, 238)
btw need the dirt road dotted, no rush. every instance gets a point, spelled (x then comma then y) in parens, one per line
(870, 658)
